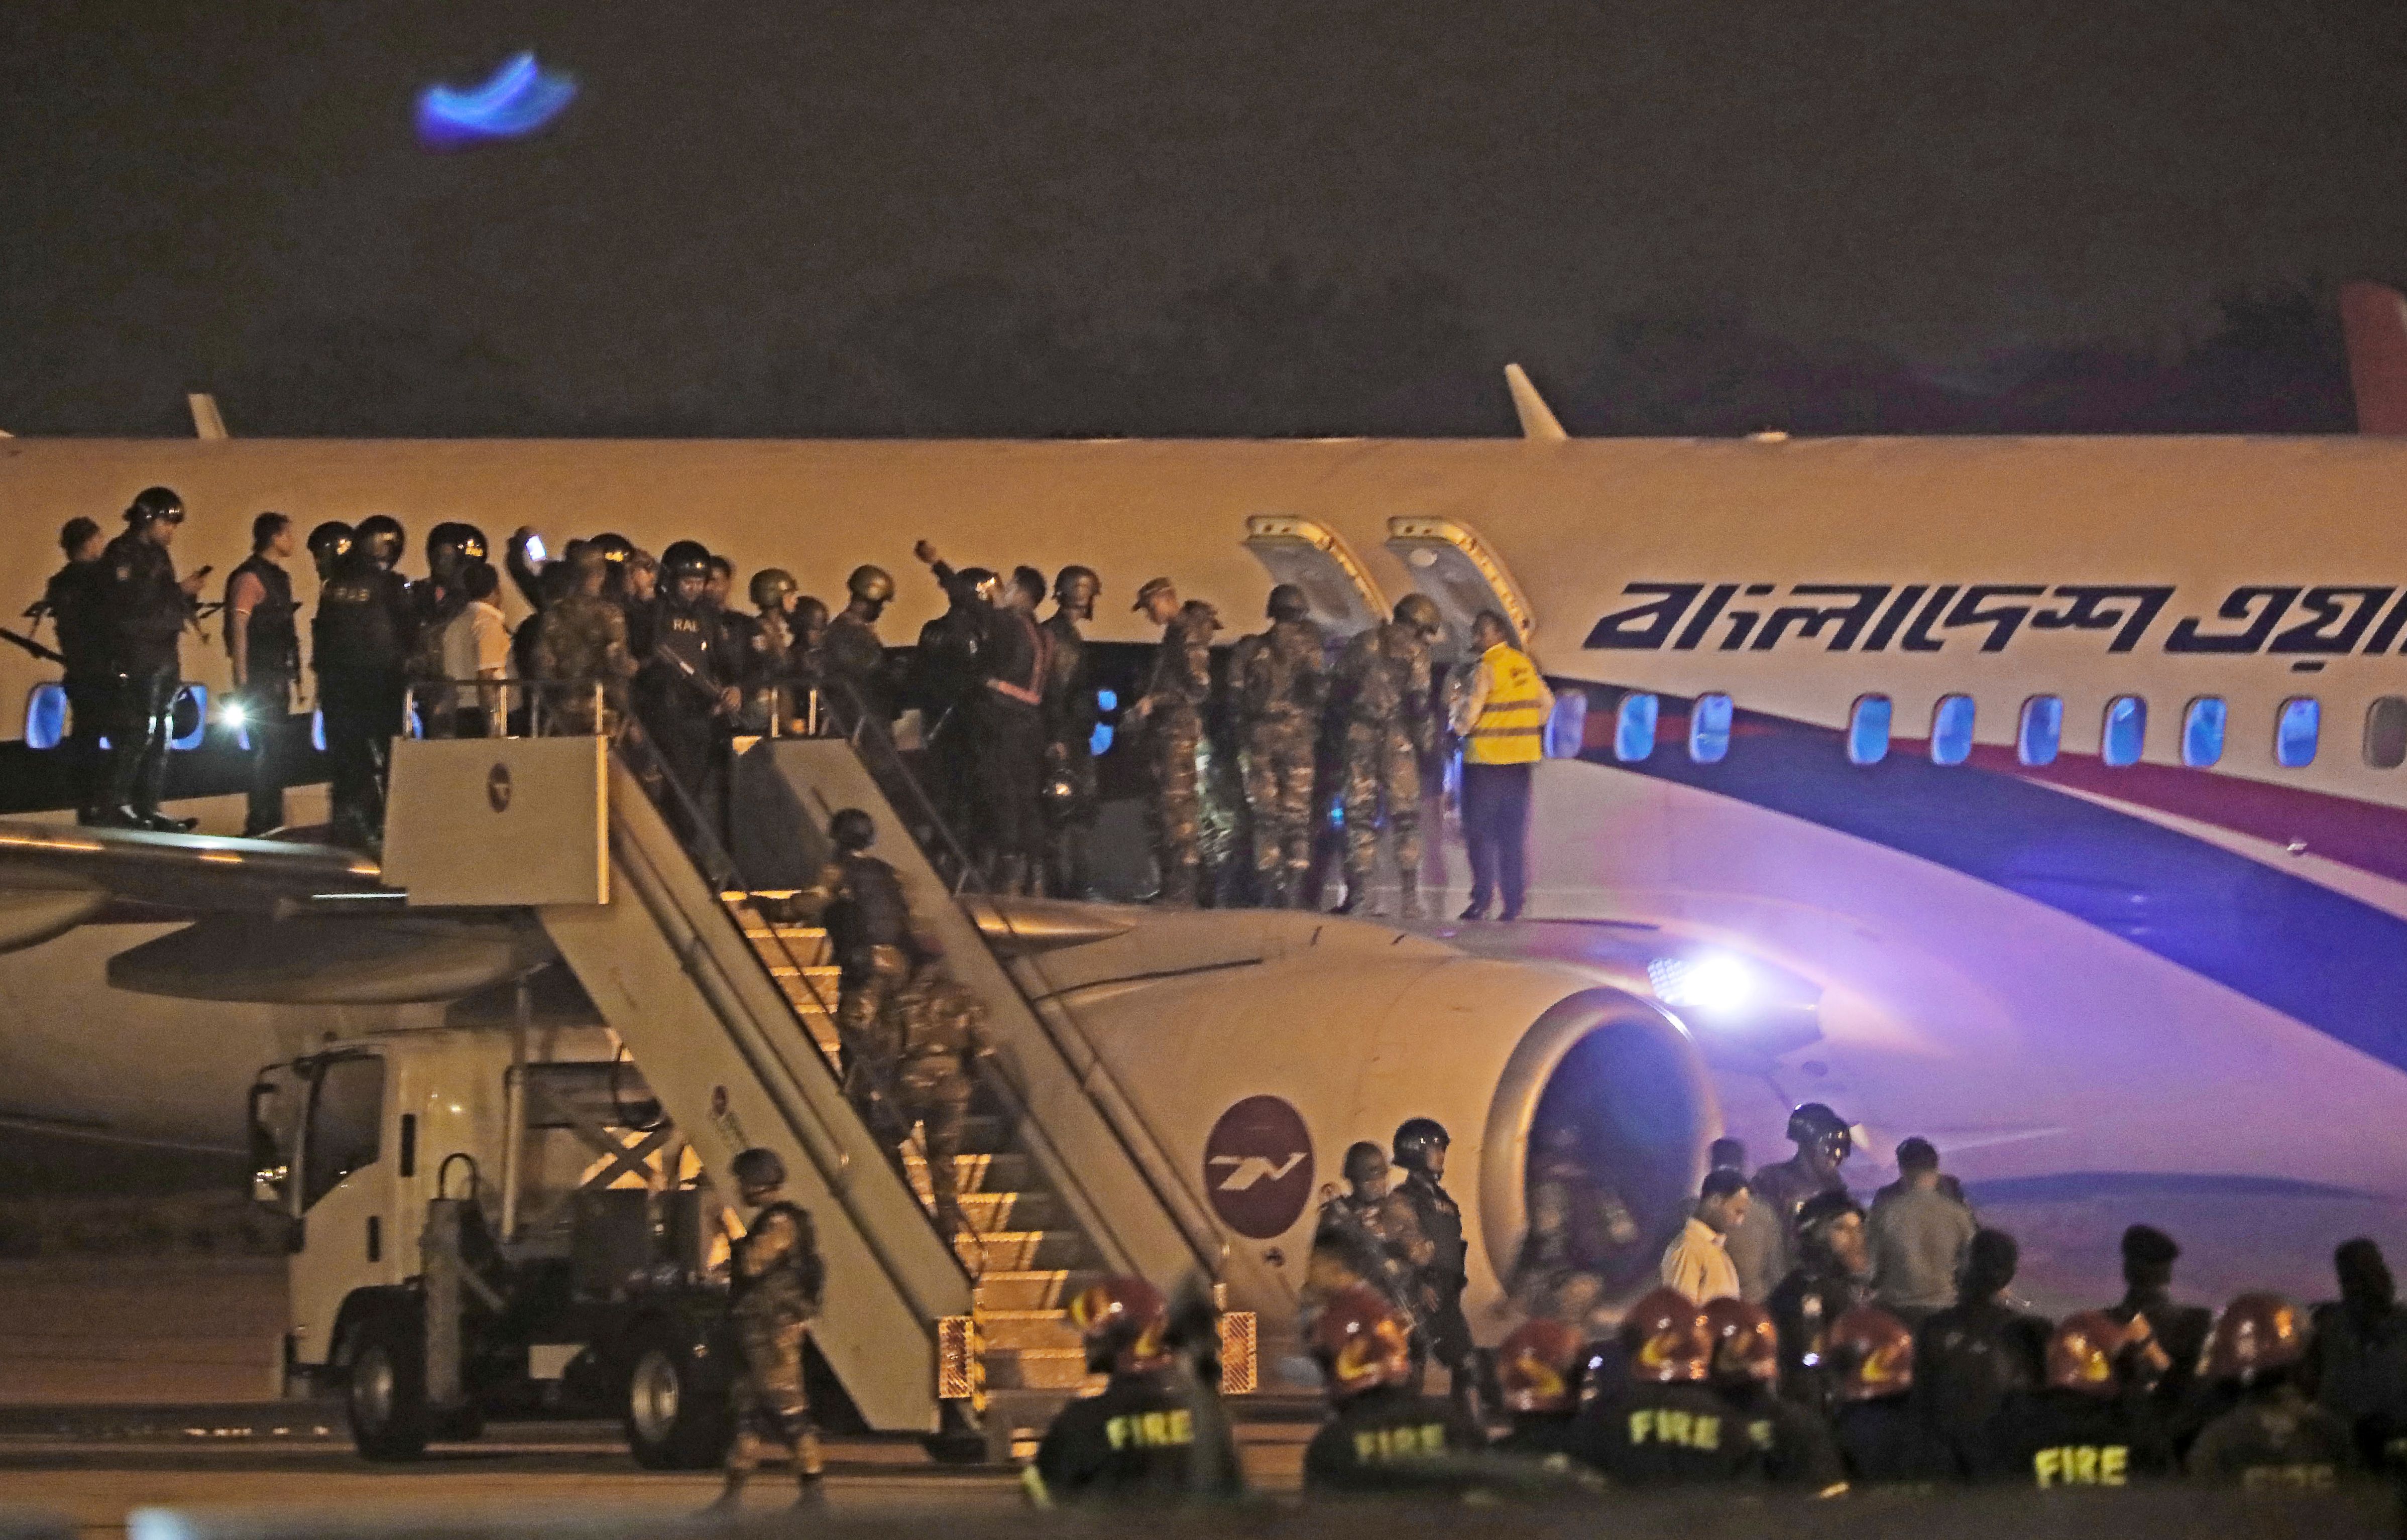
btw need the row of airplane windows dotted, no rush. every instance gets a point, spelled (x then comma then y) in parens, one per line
(2297, 730)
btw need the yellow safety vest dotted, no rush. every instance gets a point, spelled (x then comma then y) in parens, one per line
(1513, 720)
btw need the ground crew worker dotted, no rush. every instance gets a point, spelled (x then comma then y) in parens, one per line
(856, 659)
(939, 1034)
(1140, 1438)
(146, 607)
(1579, 1232)
(1426, 1226)
(1880, 1432)
(687, 688)
(1661, 1427)
(77, 601)
(1385, 1436)
(1538, 1380)
(1501, 719)
(1972, 1356)
(1787, 1445)
(1282, 685)
(1764, 1248)
(1697, 1263)
(2181, 1330)
(944, 676)
(859, 898)
(776, 1277)
(1351, 1245)
(1380, 691)
(265, 646)
(1171, 712)
(2083, 1428)
(2275, 1438)
(582, 643)
(1832, 1275)
(1071, 796)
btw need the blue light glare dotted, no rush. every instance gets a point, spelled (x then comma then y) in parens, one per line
(515, 101)
(45, 716)
(1100, 742)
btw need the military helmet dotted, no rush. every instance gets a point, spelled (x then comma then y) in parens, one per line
(1814, 1120)
(1664, 1336)
(1365, 1161)
(1153, 586)
(810, 614)
(1071, 579)
(1744, 1343)
(758, 1167)
(330, 541)
(852, 829)
(382, 536)
(1537, 1367)
(467, 539)
(1874, 1352)
(872, 585)
(770, 586)
(615, 548)
(2256, 1334)
(1287, 603)
(2081, 1354)
(1415, 1138)
(1361, 1342)
(974, 582)
(1420, 612)
(1121, 1321)
(152, 503)
(686, 558)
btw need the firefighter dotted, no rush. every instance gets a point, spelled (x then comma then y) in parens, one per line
(1282, 683)
(2088, 1427)
(1071, 797)
(939, 1034)
(1380, 692)
(686, 688)
(360, 643)
(77, 601)
(859, 898)
(2275, 1438)
(263, 645)
(2148, 1257)
(1579, 1229)
(1172, 713)
(856, 659)
(1425, 1225)
(1765, 1248)
(1538, 1380)
(1661, 1427)
(1139, 1439)
(1833, 1277)
(1501, 719)
(1979, 1353)
(776, 1276)
(1787, 1445)
(582, 643)
(1384, 1436)
(1881, 1434)
(145, 605)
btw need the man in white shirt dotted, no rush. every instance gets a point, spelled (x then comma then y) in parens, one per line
(1697, 1262)
(476, 646)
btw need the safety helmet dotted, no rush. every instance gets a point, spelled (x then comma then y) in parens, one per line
(1744, 1343)
(1077, 586)
(1287, 603)
(1420, 612)
(1415, 1138)
(2081, 1354)
(1664, 1337)
(1361, 1342)
(810, 615)
(1121, 1321)
(758, 1167)
(329, 542)
(1874, 1352)
(1365, 1161)
(382, 536)
(852, 829)
(1813, 1122)
(1537, 1367)
(2256, 1334)
(467, 539)
(770, 586)
(686, 558)
(152, 503)
(871, 585)
(615, 548)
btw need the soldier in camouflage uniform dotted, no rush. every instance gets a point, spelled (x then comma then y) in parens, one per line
(775, 1277)
(1172, 711)
(853, 654)
(1282, 678)
(1381, 694)
(940, 1032)
(584, 641)
(1070, 793)
(859, 899)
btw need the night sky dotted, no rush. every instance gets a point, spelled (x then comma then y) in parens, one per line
(964, 216)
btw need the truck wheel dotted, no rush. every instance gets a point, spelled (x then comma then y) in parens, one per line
(386, 1390)
(676, 1413)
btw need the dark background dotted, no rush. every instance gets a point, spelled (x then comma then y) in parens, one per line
(1067, 217)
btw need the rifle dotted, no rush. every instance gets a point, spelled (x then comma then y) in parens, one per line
(37, 648)
(1394, 1277)
(691, 675)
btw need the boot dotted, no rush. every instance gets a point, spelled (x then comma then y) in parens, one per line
(1410, 882)
(731, 1496)
(1477, 908)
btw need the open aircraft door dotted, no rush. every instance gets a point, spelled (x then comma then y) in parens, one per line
(1344, 599)
(1451, 564)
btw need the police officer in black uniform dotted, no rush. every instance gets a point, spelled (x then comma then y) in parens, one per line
(360, 643)
(944, 674)
(263, 644)
(1072, 711)
(688, 685)
(77, 601)
(1420, 1210)
(147, 608)
(1007, 724)
(1384, 1436)
(329, 543)
(1140, 1439)
(1661, 1427)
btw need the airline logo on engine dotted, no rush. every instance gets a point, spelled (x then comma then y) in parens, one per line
(2291, 620)
(1257, 1167)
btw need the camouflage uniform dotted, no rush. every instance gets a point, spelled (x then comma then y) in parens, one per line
(776, 1276)
(1382, 684)
(1072, 797)
(1282, 680)
(1174, 703)
(584, 640)
(859, 899)
(939, 1030)
(854, 657)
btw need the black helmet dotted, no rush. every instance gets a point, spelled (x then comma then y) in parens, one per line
(1420, 611)
(467, 539)
(1073, 578)
(330, 541)
(871, 584)
(152, 503)
(974, 583)
(1287, 603)
(1814, 1120)
(770, 586)
(1364, 1162)
(852, 829)
(382, 536)
(758, 1167)
(810, 614)
(686, 558)
(615, 548)
(1415, 1138)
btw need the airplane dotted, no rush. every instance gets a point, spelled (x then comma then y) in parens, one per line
(2039, 796)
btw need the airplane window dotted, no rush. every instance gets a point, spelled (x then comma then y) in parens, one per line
(1633, 728)
(1868, 730)
(2202, 731)
(2386, 733)
(2126, 730)
(190, 719)
(1951, 730)
(317, 730)
(1709, 728)
(1567, 729)
(2042, 729)
(45, 716)
(2294, 738)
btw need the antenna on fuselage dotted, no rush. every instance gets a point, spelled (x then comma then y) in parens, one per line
(1537, 419)
(207, 423)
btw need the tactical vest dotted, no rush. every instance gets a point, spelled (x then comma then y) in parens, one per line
(800, 1271)
(275, 641)
(1511, 729)
(358, 629)
(870, 909)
